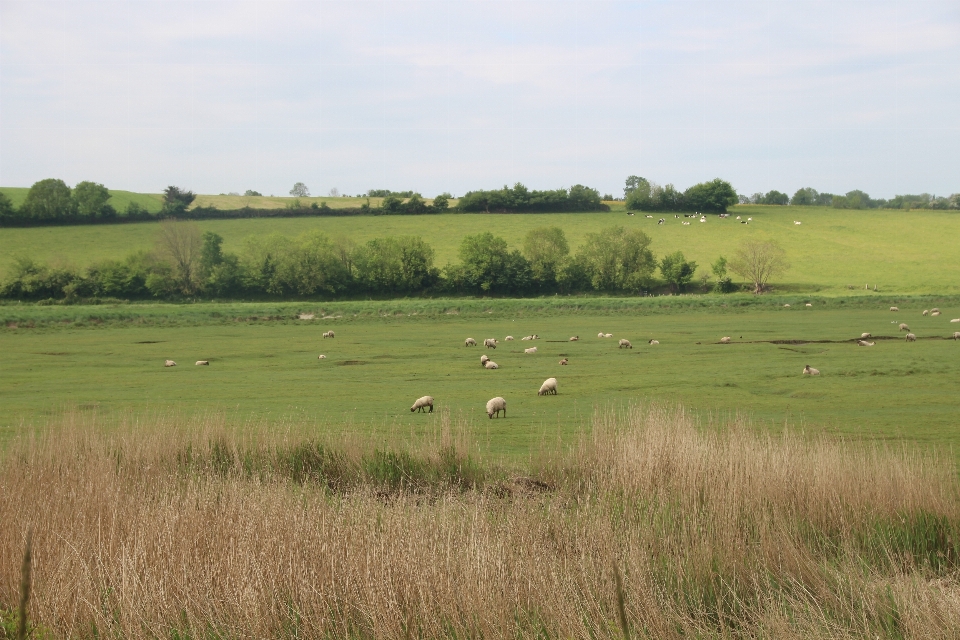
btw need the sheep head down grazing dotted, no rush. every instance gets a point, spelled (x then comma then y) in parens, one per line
(423, 403)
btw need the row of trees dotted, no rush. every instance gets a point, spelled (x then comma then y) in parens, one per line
(856, 199)
(519, 199)
(642, 195)
(188, 263)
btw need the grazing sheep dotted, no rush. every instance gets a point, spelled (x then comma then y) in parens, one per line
(574, 338)
(530, 350)
(564, 362)
(894, 308)
(934, 313)
(864, 336)
(203, 363)
(796, 222)
(321, 357)
(490, 364)
(749, 219)
(935, 310)
(864, 343)
(738, 217)
(725, 340)
(624, 344)
(903, 327)
(654, 342)
(809, 305)
(328, 334)
(955, 320)
(956, 335)
(483, 360)
(911, 337)
(169, 363)
(926, 312)
(469, 342)
(786, 306)
(495, 406)
(600, 335)
(422, 403)
(810, 371)
(490, 343)
(549, 385)
(508, 339)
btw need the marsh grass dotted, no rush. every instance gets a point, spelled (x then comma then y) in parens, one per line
(649, 525)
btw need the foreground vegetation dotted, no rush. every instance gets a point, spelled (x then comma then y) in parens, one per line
(649, 525)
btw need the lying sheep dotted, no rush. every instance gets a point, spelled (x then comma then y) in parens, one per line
(203, 363)
(894, 308)
(903, 327)
(911, 337)
(490, 364)
(864, 343)
(624, 344)
(530, 350)
(810, 371)
(321, 357)
(490, 343)
(328, 334)
(725, 340)
(564, 362)
(169, 363)
(422, 403)
(600, 335)
(864, 336)
(549, 386)
(809, 305)
(608, 335)
(483, 360)
(935, 310)
(654, 342)
(469, 342)
(786, 306)
(508, 339)
(955, 320)
(574, 338)
(934, 313)
(527, 338)
(495, 406)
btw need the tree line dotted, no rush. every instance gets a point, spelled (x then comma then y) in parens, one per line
(856, 199)
(186, 263)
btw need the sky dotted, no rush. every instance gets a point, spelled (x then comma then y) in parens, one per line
(449, 96)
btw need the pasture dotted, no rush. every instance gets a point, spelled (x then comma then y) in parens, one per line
(108, 360)
(901, 252)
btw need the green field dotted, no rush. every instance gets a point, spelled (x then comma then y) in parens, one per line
(264, 363)
(914, 252)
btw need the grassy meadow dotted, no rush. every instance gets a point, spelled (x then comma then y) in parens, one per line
(901, 252)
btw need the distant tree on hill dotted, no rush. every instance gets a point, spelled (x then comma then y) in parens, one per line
(49, 200)
(7, 212)
(250, 192)
(775, 197)
(677, 271)
(176, 200)
(546, 249)
(300, 190)
(441, 203)
(91, 199)
(617, 260)
(633, 183)
(804, 197)
(715, 195)
(758, 261)
(334, 193)
(181, 244)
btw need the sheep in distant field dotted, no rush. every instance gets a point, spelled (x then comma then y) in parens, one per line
(796, 222)
(508, 339)
(810, 371)
(911, 337)
(564, 362)
(422, 403)
(935, 310)
(894, 308)
(490, 364)
(926, 312)
(809, 305)
(864, 343)
(483, 360)
(725, 340)
(549, 385)
(955, 320)
(328, 334)
(321, 357)
(600, 335)
(934, 313)
(574, 338)
(490, 343)
(864, 336)
(654, 342)
(956, 335)
(608, 335)
(169, 363)
(469, 342)
(495, 406)
(530, 350)
(624, 344)
(203, 363)
(903, 327)
(527, 338)
(786, 306)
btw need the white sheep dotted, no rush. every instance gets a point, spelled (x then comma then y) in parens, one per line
(864, 343)
(530, 350)
(725, 340)
(796, 222)
(483, 360)
(490, 364)
(549, 386)
(328, 334)
(564, 362)
(864, 336)
(574, 338)
(654, 342)
(169, 363)
(934, 313)
(624, 344)
(203, 363)
(495, 406)
(956, 335)
(911, 337)
(490, 343)
(608, 335)
(422, 403)
(810, 371)
(469, 342)
(527, 338)
(508, 339)
(786, 306)
(935, 310)
(955, 320)
(894, 308)
(809, 305)
(926, 312)
(903, 327)
(321, 357)
(600, 335)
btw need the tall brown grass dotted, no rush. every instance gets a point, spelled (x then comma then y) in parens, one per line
(650, 526)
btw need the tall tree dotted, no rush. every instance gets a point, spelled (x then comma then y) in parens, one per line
(49, 200)
(300, 190)
(181, 244)
(91, 199)
(677, 271)
(176, 200)
(715, 195)
(546, 249)
(617, 260)
(757, 261)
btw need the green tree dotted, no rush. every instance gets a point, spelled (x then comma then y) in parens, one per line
(441, 203)
(176, 200)
(758, 261)
(546, 249)
(250, 192)
(775, 197)
(7, 212)
(633, 183)
(715, 195)
(300, 190)
(719, 269)
(583, 198)
(49, 200)
(617, 260)
(638, 197)
(91, 201)
(211, 252)
(489, 267)
(181, 245)
(395, 265)
(677, 271)
(415, 205)
(805, 197)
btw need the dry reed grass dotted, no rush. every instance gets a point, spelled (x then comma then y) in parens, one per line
(649, 526)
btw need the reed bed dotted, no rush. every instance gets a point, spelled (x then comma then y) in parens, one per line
(650, 525)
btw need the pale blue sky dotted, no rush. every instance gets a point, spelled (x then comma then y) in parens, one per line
(439, 96)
